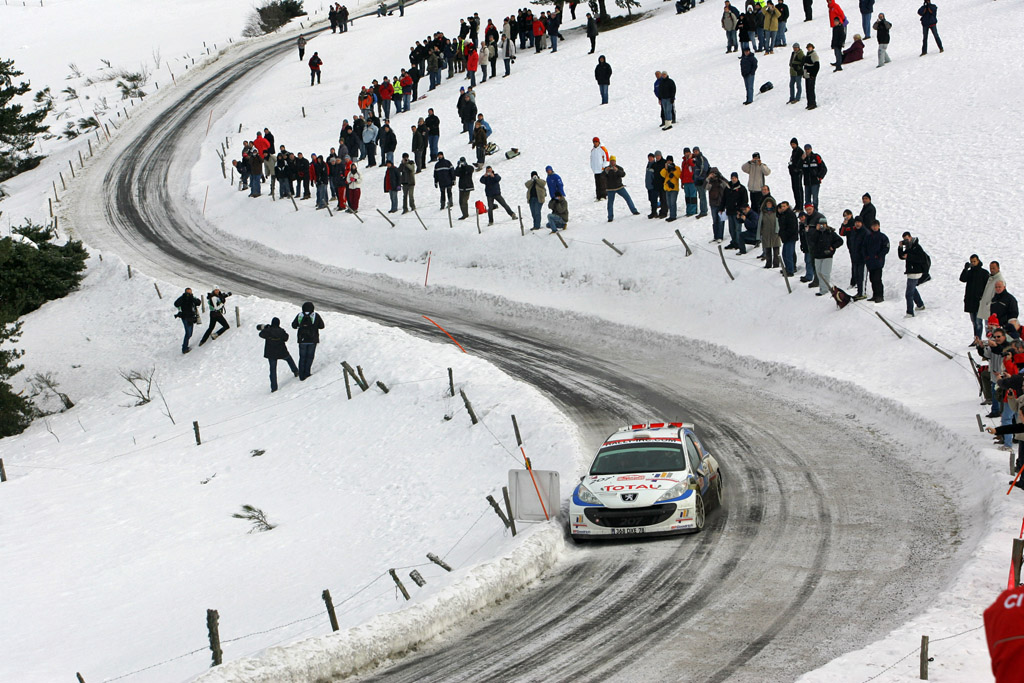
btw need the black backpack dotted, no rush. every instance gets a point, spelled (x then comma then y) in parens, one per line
(767, 86)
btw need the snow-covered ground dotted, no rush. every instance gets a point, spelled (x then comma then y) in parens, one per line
(915, 134)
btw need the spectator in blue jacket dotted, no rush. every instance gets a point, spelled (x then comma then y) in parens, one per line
(555, 187)
(929, 21)
(867, 8)
(748, 67)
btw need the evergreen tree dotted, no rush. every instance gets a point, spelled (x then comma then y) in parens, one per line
(15, 409)
(18, 129)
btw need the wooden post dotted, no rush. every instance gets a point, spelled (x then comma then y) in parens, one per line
(213, 626)
(81, 161)
(981, 425)
(417, 578)
(724, 264)
(519, 210)
(72, 167)
(680, 236)
(79, 677)
(348, 387)
(612, 246)
(469, 406)
(515, 426)
(55, 197)
(439, 562)
(303, 112)
(947, 355)
(51, 206)
(239, 125)
(417, 214)
(785, 276)
(362, 378)
(330, 609)
(329, 212)
(223, 169)
(292, 197)
(398, 582)
(158, 294)
(451, 383)
(497, 510)
(357, 377)
(129, 271)
(209, 121)
(893, 329)
(238, 318)
(90, 148)
(63, 185)
(195, 428)
(450, 224)
(202, 304)
(383, 387)
(385, 217)
(3, 472)
(561, 239)
(508, 509)
(354, 213)
(924, 658)
(206, 197)
(1018, 551)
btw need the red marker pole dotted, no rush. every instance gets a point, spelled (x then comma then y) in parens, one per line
(428, 269)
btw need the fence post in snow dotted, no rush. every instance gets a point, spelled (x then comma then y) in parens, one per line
(439, 562)
(348, 387)
(72, 167)
(947, 355)
(469, 406)
(238, 318)
(356, 376)
(680, 236)
(81, 161)
(417, 578)
(724, 264)
(385, 218)
(417, 214)
(612, 246)
(898, 335)
(450, 224)
(561, 239)
(508, 509)
(519, 210)
(497, 510)
(451, 383)
(51, 206)
(785, 276)
(383, 387)
(398, 582)
(330, 609)
(478, 230)
(213, 626)
(362, 378)
(3, 472)
(158, 294)
(129, 271)
(924, 658)
(79, 677)
(195, 428)
(63, 185)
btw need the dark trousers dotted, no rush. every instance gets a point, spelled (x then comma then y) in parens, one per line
(807, 9)
(877, 288)
(797, 180)
(189, 326)
(924, 39)
(464, 202)
(755, 200)
(215, 317)
(653, 197)
(600, 185)
(491, 201)
(314, 77)
(858, 276)
(444, 191)
(304, 182)
(812, 98)
(273, 369)
(662, 202)
(306, 354)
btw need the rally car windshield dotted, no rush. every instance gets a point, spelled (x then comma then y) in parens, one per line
(639, 457)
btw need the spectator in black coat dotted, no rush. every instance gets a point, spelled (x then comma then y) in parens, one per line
(444, 178)
(492, 190)
(917, 266)
(275, 349)
(975, 277)
(838, 41)
(603, 74)
(308, 324)
(789, 233)
(464, 172)
(735, 199)
(875, 247)
(188, 312)
(1004, 307)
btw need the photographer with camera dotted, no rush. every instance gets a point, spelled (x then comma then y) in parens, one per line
(308, 324)
(216, 300)
(188, 311)
(275, 349)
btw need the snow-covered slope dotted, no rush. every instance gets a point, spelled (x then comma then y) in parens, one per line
(926, 136)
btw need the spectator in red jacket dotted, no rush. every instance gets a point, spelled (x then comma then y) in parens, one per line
(538, 34)
(1004, 630)
(262, 144)
(472, 63)
(386, 91)
(686, 167)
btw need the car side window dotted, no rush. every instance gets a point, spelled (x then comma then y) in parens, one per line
(693, 455)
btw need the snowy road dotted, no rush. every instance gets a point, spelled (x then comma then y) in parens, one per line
(830, 537)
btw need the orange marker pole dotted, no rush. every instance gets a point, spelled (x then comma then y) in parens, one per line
(529, 468)
(446, 333)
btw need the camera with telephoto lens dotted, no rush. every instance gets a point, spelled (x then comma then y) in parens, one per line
(261, 326)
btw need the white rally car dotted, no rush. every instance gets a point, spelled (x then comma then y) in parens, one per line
(646, 479)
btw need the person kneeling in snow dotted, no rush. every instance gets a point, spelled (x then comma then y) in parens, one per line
(558, 219)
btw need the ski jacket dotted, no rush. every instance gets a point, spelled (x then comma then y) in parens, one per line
(928, 14)
(492, 185)
(308, 326)
(686, 166)
(603, 73)
(756, 174)
(188, 307)
(536, 189)
(444, 173)
(464, 172)
(555, 187)
(598, 159)
(216, 301)
(974, 278)
(274, 346)
(916, 259)
(874, 249)
(671, 174)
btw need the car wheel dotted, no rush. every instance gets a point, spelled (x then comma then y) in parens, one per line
(698, 513)
(719, 489)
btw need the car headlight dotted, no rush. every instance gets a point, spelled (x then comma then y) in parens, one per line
(586, 496)
(673, 492)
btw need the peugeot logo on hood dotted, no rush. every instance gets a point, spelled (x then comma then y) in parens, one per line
(628, 497)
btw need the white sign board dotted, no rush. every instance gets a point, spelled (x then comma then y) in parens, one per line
(526, 504)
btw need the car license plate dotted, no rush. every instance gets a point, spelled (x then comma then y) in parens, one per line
(628, 530)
